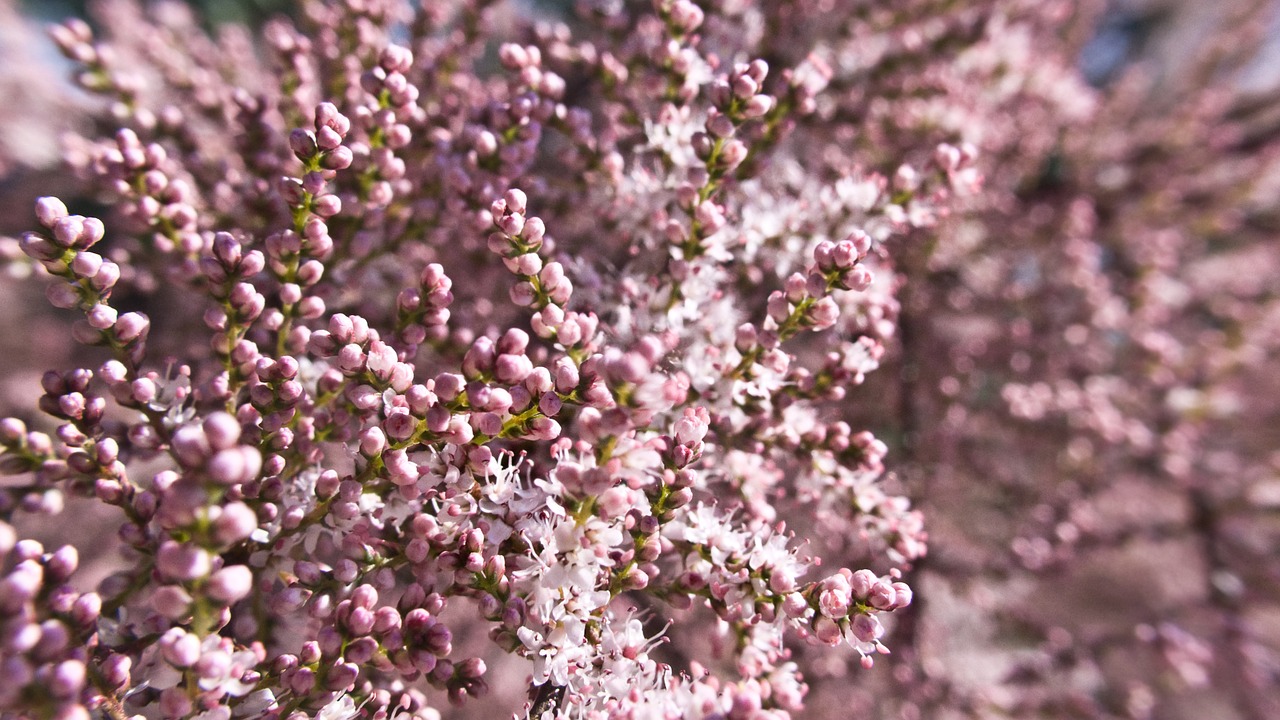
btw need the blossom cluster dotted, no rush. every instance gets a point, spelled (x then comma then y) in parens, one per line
(606, 359)
(394, 342)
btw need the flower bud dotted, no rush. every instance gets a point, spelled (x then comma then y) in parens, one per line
(50, 210)
(230, 584)
(182, 561)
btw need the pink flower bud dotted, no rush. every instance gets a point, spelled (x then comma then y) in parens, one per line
(38, 247)
(857, 278)
(171, 601)
(351, 357)
(235, 465)
(62, 563)
(513, 56)
(758, 106)
(107, 276)
(230, 584)
(62, 295)
(116, 670)
(824, 313)
(826, 631)
(67, 230)
(50, 210)
(86, 610)
(399, 425)
(396, 58)
(303, 143)
(381, 359)
(692, 426)
(132, 326)
(327, 116)
(67, 679)
(373, 442)
(903, 595)
(833, 603)
(182, 561)
(733, 154)
(720, 126)
(794, 605)
(866, 628)
(403, 471)
(180, 648)
(338, 158)
(86, 264)
(511, 225)
(883, 596)
(861, 582)
(512, 369)
(102, 316)
(550, 404)
(221, 430)
(327, 206)
(341, 676)
(534, 231)
(447, 386)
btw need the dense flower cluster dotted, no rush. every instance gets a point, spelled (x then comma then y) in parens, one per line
(607, 361)
(457, 339)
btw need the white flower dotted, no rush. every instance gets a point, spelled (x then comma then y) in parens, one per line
(256, 704)
(340, 708)
(381, 358)
(222, 667)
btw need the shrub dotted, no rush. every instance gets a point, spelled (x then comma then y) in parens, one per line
(433, 345)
